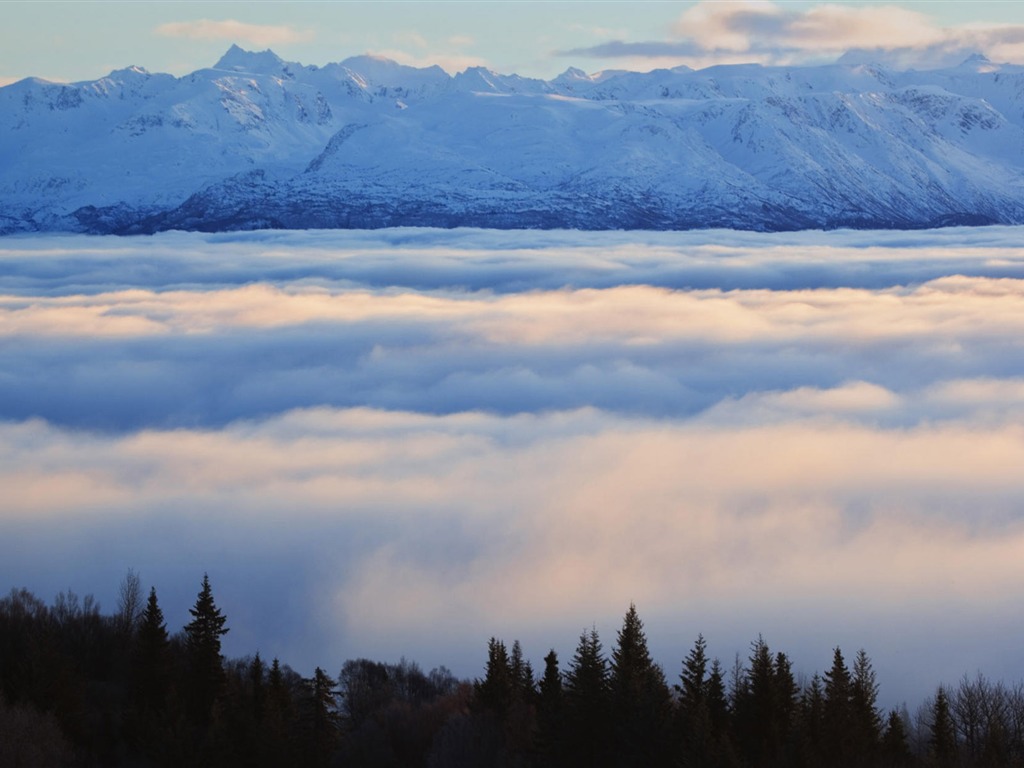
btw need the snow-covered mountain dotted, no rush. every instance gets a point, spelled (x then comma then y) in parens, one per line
(255, 142)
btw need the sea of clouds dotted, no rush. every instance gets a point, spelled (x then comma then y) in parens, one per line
(406, 441)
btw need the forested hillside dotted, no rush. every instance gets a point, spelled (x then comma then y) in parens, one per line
(82, 688)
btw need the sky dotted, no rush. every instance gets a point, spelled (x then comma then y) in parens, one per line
(82, 39)
(404, 442)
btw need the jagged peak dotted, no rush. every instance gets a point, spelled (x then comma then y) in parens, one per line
(573, 74)
(240, 60)
(479, 72)
(977, 62)
(479, 77)
(380, 70)
(132, 72)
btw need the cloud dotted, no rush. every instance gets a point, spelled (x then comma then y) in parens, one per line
(219, 355)
(408, 533)
(449, 62)
(503, 262)
(407, 441)
(220, 328)
(770, 33)
(234, 31)
(838, 27)
(452, 59)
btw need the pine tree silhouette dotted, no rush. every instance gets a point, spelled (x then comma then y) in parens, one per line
(205, 663)
(150, 658)
(640, 698)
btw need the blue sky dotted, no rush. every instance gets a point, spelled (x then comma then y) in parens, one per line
(85, 40)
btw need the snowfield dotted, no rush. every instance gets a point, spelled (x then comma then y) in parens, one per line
(256, 142)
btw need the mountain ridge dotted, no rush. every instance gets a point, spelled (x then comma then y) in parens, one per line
(256, 141)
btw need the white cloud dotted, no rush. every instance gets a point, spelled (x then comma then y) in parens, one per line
(423, 438)
(449, 62)
(433, 321)
(772, 33)
(753, 26)
(231, 30)
(448, 529)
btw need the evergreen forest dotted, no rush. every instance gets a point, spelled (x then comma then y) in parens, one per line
(82, 688)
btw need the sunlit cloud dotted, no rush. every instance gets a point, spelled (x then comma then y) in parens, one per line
(423, 438)
(451, 63)
(435, 322)
(440, 531)
(770, 33)
(231, 30)
(966, 309)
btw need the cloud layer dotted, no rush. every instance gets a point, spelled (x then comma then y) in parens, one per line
(408, 441)
(771, 33)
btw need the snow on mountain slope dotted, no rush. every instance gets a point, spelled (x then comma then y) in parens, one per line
(255, 141)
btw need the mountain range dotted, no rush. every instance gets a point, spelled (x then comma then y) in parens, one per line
(258, 142)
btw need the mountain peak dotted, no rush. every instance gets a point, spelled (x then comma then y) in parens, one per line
(240, 60)
(382, 71)
(133, 72)
(977, 62)
(573, 74)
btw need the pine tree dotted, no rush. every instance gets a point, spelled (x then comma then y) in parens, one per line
(942, 744)
(278, 720)
(812, 722)
(866, 721)
(320, 717)
(720, 716)
(587, 720)
(202, 645)
(521, 719)
(549, 712)
(786, 702)
(494, 693)
(837, 717)
(520, 674)
(639, 697)
(718, 700)
(257, 673)
(694, 674)
(693, 713)
(761, 709)
(895, 746)
(151, 663)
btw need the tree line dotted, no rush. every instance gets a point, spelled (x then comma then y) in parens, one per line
(80, 688)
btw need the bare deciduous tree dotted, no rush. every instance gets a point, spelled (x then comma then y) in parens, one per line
(129, 601)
